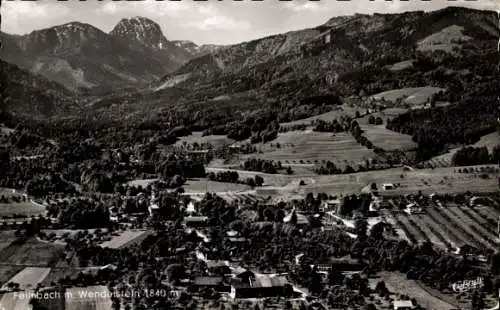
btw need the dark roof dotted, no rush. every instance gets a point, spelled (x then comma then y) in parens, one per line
(208, 281)
(196, 219)
(215, 264)
(260, 281)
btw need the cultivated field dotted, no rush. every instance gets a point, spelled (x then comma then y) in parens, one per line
(411, 96)
(450, 226)
(309, 147)
(91, 297)
(29, 277)
(125, 239)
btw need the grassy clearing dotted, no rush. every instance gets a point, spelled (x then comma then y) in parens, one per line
(343, 110)
(439, 180)
(388, 140)
(204, 185)
(444, 40)
(215, 140)
(445, 160)
(141, 182)
(397, 282)
(29, 277)
(411, 96)
(32, 252)
(7, 272)
(6, 238)
(26, 209)
(401, 65)
(126, 238)
(308, 147)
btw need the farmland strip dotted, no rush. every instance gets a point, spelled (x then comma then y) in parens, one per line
(464, 229)
(442, 223)
(482, 224)
(434, 235)
(420, 232)
(410, 228)
(405, 230)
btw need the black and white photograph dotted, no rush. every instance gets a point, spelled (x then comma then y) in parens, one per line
(250, 155)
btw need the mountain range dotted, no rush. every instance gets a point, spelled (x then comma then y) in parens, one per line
(79, 55)
(345, 55)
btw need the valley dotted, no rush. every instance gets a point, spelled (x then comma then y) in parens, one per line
(352, 165)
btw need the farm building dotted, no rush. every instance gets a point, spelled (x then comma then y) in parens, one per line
(196, 221)
(402, 305)
(154, 210)
(259, 286)
(331, 205)
(388, 186)
(218, 267)
(216, 283)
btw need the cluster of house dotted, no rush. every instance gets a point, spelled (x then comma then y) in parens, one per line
(243, 283)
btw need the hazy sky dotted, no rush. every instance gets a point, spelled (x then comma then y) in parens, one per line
(219, 22)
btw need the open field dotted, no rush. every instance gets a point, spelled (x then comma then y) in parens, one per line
(382, 137)
(6, 238)
(196, 137)
(445, 160)
(141, 182)
(204, 185)
(309, 146)
(343, 110)
(7, 272)
(29, 277)
(31, 253)
(388, 140)
(411, 96)
(26, 209)
(444, 40)
(126, 238)
(438, 180)
(397, 282)
(401, 65)
(91, 297)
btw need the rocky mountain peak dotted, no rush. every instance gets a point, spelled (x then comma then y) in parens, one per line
(141, 30)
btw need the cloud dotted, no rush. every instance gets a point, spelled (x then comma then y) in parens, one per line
(16, 13)
(219, 22)
(301, 7)
(149, 8)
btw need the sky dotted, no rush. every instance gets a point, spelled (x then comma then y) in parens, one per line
(211, 21)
